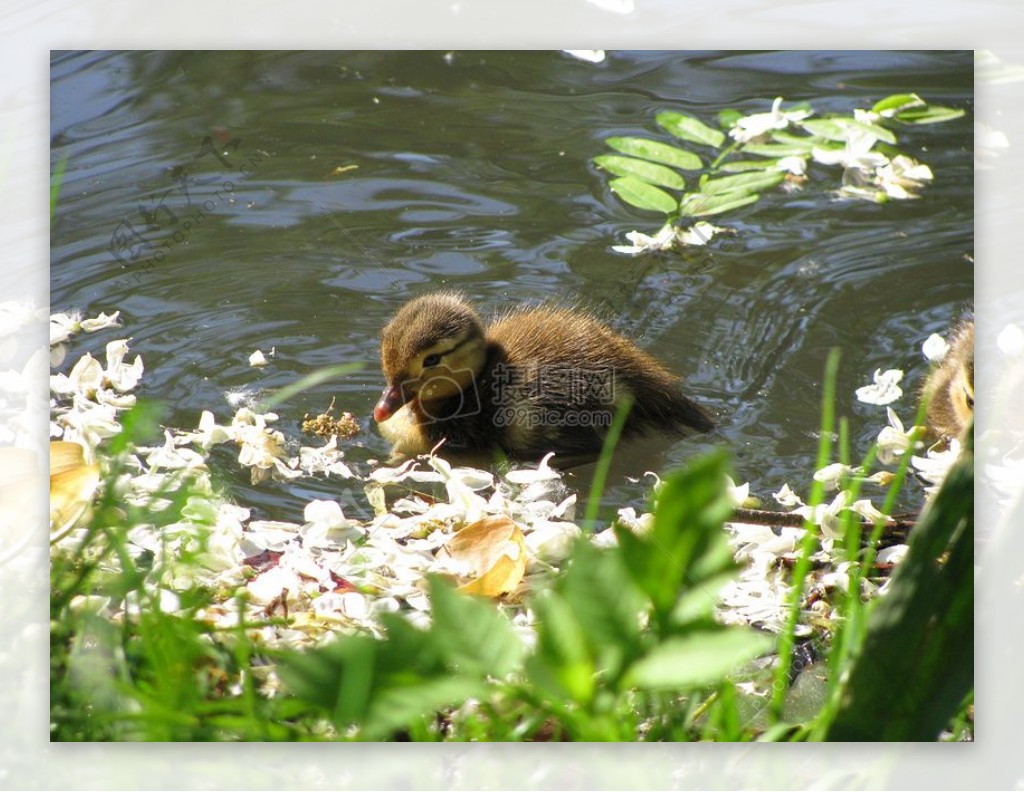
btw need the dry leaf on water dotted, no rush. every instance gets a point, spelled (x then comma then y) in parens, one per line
(72, 484)
(491, 553)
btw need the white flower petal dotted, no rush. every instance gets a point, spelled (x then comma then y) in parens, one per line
(892, 555)
(831, 475)
(885, 388)
(270, 585)
(590, 56)
(100, 322)
(935, 347)
(543, 472)
(786, 497)
(737, 494)
(699, 234)
(552, 541)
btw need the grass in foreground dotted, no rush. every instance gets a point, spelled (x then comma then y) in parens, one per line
(625, 645)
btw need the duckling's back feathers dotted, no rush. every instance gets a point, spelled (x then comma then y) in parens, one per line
(569, 362)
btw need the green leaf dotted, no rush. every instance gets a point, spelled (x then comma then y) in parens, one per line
(896, 102)
(727, 118)
(688, 516)
(699, 603)
(743, 166)
(703, 205)
(645, 171)
(686, 127)
(410, 651)
(805, 142)
(776, 150)
(698, 659)
(397, 707)
(561, 663)
(743, 182)
(607, 604)
(475, 637)
(56, 182)
(932, 114)
(922, 631)
(643, 195)
(656, 151)
(337, 677)
(385, 685)
(839, 129)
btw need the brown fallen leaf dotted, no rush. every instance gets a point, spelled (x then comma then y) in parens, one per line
(73, 482)
(490, 552)
(65, 456)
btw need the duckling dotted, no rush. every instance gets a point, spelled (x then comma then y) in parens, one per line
(949, 389)
(536, 380)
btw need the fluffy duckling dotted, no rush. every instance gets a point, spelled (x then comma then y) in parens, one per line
(949, 389)
(536, 380)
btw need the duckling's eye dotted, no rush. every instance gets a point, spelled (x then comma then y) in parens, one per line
(431, 360)
(970, 399)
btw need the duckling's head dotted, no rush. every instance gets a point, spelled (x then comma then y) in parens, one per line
(431, 350)
(950, 388)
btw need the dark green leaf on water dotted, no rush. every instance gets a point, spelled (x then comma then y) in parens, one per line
(699, 658)
(656, 151)
(912, 109)
(727, 118)
(897, 102)
(743, 166)
(686, 127)
(702, 204)
(643, 195)
(932, 114)
(649, 172)
(776, 150)
(806, 142)
(743, 182)
(839, 129)
(56, 182)
(921, 633)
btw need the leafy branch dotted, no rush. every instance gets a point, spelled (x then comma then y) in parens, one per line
(752, 154)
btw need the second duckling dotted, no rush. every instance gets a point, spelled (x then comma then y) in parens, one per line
(537, 380)
(949, 389)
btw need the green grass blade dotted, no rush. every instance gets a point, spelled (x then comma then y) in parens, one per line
(604, 463)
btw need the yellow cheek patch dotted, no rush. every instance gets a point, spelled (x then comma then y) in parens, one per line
(404, 433)
(965, 406)
(460, 363)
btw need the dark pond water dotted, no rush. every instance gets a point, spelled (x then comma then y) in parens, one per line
(474, 172)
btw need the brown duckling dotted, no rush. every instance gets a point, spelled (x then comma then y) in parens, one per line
(949, 389)
(535, 380)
